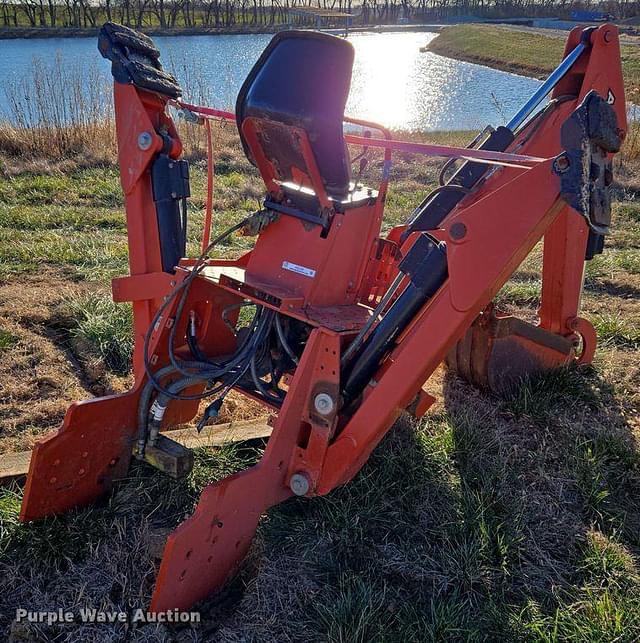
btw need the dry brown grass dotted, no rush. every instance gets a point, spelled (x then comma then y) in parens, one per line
(44, 149)
(41, 374)
(58, 111)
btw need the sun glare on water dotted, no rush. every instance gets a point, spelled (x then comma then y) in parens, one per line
(397, 85)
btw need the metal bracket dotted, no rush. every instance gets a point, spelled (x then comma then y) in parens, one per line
(588, 136)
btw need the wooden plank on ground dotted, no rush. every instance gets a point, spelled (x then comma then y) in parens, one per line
(16, 465)
(218, 434)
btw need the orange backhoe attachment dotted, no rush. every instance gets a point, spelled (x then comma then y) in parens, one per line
(332, 327)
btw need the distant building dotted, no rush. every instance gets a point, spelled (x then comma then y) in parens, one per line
(321, 18)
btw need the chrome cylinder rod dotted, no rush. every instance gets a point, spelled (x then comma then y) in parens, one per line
(554, 78)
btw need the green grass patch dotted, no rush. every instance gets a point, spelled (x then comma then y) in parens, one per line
(93, 254)
(613, 328)
(606, 473)
(94, 186)
(606, 563)
(10, 499)
(54, 217)
(519, 292)
(539, 396)
(7, 340)
(103, 329)
(628, 212)
(612, 262)
(493, 46)
(594, 616)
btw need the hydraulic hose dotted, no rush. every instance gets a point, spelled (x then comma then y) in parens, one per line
(283, 341)
(183, 288)
(159, 407)
(150, 419)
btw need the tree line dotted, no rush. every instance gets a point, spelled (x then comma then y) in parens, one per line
(229, 14)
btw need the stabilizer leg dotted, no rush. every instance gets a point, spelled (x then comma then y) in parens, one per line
(207, 548)
(79, 463)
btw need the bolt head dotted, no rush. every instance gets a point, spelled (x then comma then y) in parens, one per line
(144, 140)
(299, 484)
(324, 404)
(458, 231)
(562, 163)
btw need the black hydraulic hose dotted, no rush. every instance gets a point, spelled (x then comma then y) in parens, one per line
(163, 400)
(482, 134)
(359, 338)
(435, 208)
(283, 341)
(192, 343)
(228, 309)
(259, 384)
(242, 355)
(212, 371)
(183, 285)
(206, 362)
(143, 406)
(426, 267)
(161, 403)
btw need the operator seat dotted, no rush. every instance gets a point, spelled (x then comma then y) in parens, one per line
(301, 81)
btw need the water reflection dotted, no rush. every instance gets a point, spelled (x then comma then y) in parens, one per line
(393, 82)
(396, 84)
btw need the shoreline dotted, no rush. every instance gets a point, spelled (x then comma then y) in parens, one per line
(518, 52)
(32, 33)
(446, 45)
(530, 71)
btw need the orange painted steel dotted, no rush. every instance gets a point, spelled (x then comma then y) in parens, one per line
(208, 210)
(348, 268)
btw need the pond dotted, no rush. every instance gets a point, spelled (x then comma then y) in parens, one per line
(394, 83)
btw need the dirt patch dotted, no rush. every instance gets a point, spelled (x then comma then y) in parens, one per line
(39, 374)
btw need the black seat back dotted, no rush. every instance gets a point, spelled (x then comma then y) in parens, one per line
(302, 79)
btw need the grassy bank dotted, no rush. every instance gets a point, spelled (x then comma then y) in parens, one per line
(508, 519)
(520, 52)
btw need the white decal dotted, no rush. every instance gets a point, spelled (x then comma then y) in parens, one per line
(611, 99)
(301, 270)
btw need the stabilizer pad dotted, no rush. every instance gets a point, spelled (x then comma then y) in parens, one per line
(135, 60)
